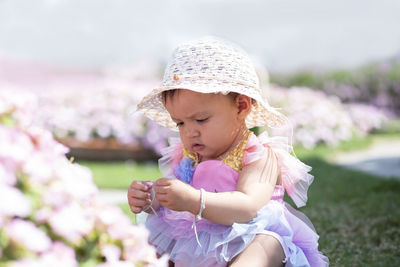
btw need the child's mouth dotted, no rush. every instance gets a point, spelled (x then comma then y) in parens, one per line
(197, 147)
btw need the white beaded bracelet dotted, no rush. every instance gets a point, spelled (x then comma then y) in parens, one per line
(202, 204)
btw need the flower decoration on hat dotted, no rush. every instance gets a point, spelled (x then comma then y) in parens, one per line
(211, 65)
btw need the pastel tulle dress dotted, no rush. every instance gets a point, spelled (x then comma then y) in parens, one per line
(209, 244)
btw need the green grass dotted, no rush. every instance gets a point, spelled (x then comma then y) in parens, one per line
(119, 175)
(356, 215)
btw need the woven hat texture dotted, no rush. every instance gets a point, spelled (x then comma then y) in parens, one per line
(211, 65)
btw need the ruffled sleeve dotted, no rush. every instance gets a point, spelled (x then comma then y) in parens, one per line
(293, 172)
(170, 156)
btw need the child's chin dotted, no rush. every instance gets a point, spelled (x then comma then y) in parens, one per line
(205, 156)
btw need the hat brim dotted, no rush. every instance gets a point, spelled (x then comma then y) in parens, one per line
(262, 114)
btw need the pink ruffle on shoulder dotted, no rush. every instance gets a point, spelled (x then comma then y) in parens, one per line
(171, 155)
(294, 173)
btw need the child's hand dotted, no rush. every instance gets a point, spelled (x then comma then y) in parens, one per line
(139, 196)
(176, 195)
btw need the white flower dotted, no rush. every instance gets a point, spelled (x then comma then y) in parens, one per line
(13, 202)
(71, 222)
(117, 264)
(111, 252)
(59, 255)
(63, 194)
(77, 180)
(27, 234)
(7, 175)
(15, 146)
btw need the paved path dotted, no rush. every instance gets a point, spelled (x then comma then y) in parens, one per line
(382, 159)
(114, 196)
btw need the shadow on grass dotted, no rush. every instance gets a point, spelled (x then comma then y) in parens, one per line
(357, 215)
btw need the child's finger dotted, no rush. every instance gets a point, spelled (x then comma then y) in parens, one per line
(135, 209)
(149, 184)
(138, 202)
(162, 198)
(163, 182)
(161, 189)
(140, 185)
(138, 194)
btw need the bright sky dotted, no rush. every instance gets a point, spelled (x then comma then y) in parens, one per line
(281, 34)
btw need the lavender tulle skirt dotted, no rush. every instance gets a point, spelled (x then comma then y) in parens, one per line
(172, 233)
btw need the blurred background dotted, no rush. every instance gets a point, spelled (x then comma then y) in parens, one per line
(282, 35)
(77, 68)
(91, 61)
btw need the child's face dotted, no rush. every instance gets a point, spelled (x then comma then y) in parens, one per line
(208, 123)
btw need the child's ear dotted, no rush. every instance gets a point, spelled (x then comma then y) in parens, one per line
(243, 104)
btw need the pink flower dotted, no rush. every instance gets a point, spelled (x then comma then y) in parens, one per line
(13, 202)
(59, 255)
(15, 146)
(27, 263)
(161, 262)
(43, 214)
(28, 235)
(108, 215)
(38, 175)
(111, 252)
(134, 238)
(136, 244)
(70, 182)
(47, 153)
(21, 105)
(44, 141)
(117, 264)
(68, 207)
(55, 195)
(71, 222)
(7, 175)
(77, 180)
(113, 220)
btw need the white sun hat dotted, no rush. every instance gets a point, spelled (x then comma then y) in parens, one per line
(211, 65)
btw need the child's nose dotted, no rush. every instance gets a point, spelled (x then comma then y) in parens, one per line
(192, 132)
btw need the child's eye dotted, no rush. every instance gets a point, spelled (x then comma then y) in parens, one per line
(179, 124)
(202, 120)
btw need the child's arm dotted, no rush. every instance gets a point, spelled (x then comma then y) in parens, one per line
(254, 189)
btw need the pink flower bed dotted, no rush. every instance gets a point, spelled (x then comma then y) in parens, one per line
(316, 117)
(92, 105)
(50, 213)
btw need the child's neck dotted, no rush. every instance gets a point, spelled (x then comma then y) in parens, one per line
(242, 135)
